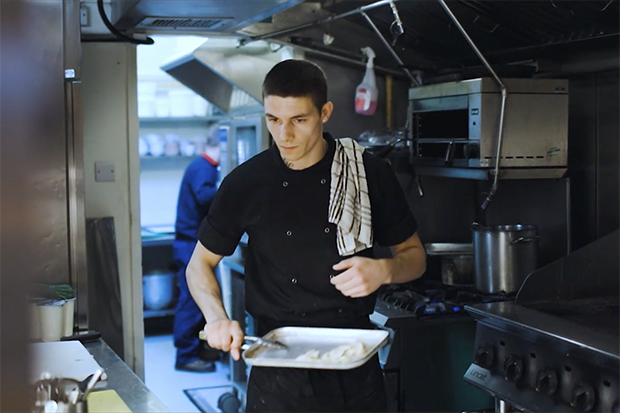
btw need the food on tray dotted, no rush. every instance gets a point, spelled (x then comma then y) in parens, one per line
(340, 354)
(310, 355)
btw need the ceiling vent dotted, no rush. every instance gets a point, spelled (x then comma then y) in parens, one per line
(182, 23)
(198, 16)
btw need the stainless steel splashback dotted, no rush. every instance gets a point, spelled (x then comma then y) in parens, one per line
(589, 272)
(37, 176)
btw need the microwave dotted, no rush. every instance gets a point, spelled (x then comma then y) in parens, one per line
(456, 124)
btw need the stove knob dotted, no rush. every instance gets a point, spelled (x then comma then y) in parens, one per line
(583, 397)
(513, 368)
(485, 356)
(547, 382)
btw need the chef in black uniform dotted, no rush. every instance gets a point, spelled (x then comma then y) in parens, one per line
(294, 272)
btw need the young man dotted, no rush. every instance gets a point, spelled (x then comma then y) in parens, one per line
(196, 193)
(296, 273)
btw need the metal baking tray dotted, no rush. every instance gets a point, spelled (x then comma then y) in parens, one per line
(300, 340)
(449, 249)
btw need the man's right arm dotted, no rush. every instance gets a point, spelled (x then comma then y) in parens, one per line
(222, 333)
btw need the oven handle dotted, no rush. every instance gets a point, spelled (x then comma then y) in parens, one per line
(449, 160)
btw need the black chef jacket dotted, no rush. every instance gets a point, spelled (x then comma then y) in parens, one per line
(291, 251)
(292, 246)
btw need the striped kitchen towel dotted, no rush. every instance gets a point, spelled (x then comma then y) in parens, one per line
(349, 204)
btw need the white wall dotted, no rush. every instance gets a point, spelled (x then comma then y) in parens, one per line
(160, 178)
(111, 134)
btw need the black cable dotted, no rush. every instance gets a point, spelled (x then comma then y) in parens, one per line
(115, 32)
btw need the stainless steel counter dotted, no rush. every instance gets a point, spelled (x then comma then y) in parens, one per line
(121, 378)
(527, 320)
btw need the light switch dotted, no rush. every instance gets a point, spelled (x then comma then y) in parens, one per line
(84, 20)
(104, 172)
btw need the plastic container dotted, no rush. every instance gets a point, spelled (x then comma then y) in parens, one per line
(53, 321)
(367, 94)
(52, 308)
(52, 325)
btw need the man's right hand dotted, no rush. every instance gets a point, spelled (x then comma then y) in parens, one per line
(225, 335)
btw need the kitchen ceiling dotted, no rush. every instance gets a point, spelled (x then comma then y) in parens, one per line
(507, 32)
(518, 37)
(497, 27)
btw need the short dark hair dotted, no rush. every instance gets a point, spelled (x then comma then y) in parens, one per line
(213, 136)
(297, 78)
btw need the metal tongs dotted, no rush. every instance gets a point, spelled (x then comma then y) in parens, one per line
(254, 340)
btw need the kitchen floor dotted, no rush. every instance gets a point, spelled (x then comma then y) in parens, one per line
(167, 383)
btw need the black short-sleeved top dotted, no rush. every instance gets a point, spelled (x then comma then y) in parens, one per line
(292, 246)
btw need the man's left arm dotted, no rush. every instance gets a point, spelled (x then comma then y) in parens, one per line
(204, 187)
(362, 276)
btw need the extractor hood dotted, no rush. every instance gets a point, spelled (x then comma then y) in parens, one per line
(223, 16)
(225, 75)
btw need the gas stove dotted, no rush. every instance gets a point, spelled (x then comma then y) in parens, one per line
(427, 299)
(556, 348)
(426, 317)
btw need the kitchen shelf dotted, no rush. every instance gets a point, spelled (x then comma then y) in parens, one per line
(158, 313)
(166, 162)
(484, 174)
(148, 241)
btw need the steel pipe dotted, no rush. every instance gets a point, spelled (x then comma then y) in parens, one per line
(316, 22)
(319, 52)
(504, 91)
(387, 44)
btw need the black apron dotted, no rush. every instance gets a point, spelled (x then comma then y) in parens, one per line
(361, 389)
(309, 390)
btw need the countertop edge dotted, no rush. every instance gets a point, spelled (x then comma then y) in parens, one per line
(123, 380)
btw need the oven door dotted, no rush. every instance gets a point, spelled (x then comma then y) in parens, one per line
(446, 130)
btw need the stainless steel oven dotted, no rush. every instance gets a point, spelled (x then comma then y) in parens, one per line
(456, 124)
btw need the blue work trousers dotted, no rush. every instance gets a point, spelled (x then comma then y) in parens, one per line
(188, 319)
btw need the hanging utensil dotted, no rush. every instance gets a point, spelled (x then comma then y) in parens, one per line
(89, 383)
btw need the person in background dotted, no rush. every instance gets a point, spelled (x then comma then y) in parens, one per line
(198, 187)
(312, 207)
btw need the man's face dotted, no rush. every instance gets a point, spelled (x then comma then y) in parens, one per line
(297, 129)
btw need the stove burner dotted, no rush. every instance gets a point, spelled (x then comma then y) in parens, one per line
(432, 298)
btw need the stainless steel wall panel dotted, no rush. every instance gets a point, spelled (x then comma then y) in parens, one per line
(34, 201)
(593, 156)
(607, 162)
(446, 210)
(32, 158)
(75, 197)
(72, 34)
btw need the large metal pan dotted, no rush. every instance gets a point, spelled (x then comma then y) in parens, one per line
(301, 340)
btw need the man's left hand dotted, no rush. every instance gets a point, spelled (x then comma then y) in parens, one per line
(361, 276)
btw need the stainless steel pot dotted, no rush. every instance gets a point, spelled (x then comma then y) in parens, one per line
(457, 262)
(457, 270)
(504, 255)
